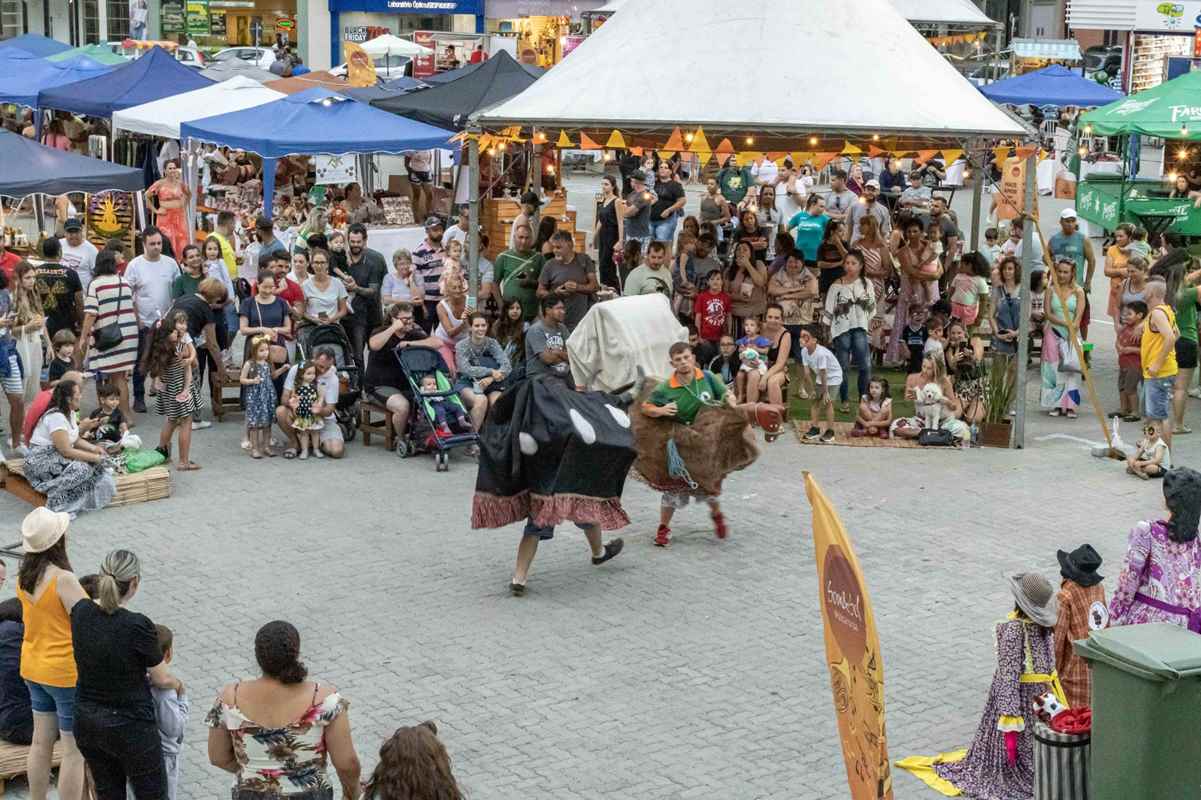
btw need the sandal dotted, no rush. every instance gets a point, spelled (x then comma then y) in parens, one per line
(1132, 418)
(188, 466)
(1182, 430)
(255, 454)
(612, 550)
(517, 589)
(1071, 414)
(289, 453)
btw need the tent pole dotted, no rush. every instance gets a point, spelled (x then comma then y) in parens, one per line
(473, 216)
(269, 165)
(977, 195)
(1028, 262)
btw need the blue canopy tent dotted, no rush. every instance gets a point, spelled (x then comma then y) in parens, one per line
(1050, 86)
(315, 121)
(392, 88)
(32, 168)
(153, 76)
(38, 46)
(21, 86)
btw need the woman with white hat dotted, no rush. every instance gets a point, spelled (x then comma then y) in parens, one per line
(47, 589)
(1000, 762)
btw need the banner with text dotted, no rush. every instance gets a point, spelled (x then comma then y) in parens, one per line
(852, 652)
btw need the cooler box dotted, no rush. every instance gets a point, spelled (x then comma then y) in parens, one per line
(1146, 711)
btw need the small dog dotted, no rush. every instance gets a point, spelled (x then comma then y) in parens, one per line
(928, 405)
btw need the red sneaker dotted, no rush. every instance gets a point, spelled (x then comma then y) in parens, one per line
(663, 536)
(719, 526)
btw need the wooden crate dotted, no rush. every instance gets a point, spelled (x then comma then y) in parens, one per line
(12, 760)
(139, 487)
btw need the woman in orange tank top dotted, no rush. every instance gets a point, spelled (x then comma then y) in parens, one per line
(47, 590)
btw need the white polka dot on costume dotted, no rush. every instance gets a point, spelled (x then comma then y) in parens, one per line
(582, 426)
(527, 443)
(619, 416)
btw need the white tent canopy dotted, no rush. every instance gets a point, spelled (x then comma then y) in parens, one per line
(389, 45)
(163, 117)
(904, 86)
(943, 12)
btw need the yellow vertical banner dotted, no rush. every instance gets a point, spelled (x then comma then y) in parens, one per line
(852, 652)
(360, 69)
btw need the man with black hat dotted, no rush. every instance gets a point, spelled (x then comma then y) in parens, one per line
(636, 208)
(427, 263)
(1082, 609)
(78, 253)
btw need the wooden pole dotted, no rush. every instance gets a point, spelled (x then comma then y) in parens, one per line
(473, 216)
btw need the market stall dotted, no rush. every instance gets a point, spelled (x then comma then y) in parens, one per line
(1170, 112)
(313, 122)
(1055, 85)
(156, 74)
(32, 169)
(21, 82)
(37, 46)
(163, 117)
(96, 52)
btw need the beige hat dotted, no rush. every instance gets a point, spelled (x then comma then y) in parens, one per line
(1036, 597)
(42, 528)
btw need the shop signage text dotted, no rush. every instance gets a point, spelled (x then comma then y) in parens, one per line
(409, 6)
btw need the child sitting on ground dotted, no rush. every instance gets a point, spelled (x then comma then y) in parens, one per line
(1152, 457)
(875, 410)
(448, 417)
(111, 426)
(823, 369)
(171, 710)
(64, 356)
(1130, 370)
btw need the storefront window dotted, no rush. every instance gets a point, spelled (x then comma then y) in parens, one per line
(118, 20)
(91, 20)
(11, 19)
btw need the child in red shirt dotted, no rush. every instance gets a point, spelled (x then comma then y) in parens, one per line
(711, 311)
(1130, 371)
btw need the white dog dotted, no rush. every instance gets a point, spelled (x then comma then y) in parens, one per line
(928, 405)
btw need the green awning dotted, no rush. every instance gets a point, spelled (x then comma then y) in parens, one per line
(96, 52)
(1171, 110)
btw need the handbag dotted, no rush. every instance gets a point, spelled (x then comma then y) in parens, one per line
(1069, 361)
(935, 437)
(108, 336)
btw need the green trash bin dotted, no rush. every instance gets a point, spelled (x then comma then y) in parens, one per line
(1146, 712)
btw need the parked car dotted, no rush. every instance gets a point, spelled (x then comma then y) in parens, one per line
(386, 67)
(261, 57)
(988, 73)
(1103, 58)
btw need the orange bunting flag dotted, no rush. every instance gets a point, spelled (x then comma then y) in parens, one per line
(821, 159)
(675, 142)
(925, 155)
(666, 155)
(1027, 150)
(801, 158)
(849, 149)
(637, 151)
(564, 140)
(874, 151)
(725, 148)
(616, 141)
(699, 143)
(586, 142)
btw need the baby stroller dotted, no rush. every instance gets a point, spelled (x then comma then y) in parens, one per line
(350, 388)
(416, 363)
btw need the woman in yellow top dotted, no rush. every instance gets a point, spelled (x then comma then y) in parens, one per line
(47, 588)
(1115, 269)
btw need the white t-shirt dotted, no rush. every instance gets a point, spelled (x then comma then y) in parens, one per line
(765, 171)
(317, 302)
(1011, 248)
(82, 259)
(395, 287)
(1148, 451)
(50, 422)
(151, 285)
(821, 358)
(327, 385)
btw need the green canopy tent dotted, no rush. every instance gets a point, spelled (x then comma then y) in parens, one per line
(1170, 111)
(96, 52)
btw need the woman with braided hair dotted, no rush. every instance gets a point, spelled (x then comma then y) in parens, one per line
(276, 732)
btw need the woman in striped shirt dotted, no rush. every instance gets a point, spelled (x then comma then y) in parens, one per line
(110, 300)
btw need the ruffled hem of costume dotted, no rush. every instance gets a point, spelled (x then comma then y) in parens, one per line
(1007, 724)
(922, 768)
(494, 511)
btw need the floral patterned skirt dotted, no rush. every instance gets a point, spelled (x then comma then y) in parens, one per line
(69, 485)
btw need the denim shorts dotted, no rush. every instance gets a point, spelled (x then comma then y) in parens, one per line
(56, 700)
(1157, 397)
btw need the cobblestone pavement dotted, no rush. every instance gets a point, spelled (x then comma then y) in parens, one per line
(695, 672)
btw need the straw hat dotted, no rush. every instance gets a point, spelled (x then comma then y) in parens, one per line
(42, 528)
(1036, 597)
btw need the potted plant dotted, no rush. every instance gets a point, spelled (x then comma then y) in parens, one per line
(1000, 387)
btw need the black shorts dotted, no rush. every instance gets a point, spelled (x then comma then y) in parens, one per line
(380, 394)
(418, 178)
(1186, 353)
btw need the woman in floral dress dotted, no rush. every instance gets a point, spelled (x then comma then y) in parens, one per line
(277, 732)
(999, 764)
(1161, 575)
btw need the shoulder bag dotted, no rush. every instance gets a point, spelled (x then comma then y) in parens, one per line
(108, 336)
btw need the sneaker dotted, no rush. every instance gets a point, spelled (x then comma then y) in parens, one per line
(201, 424)
(1195, 392)
(663, 536)
(719, 526)
(245, 444)
(813, 434)
(139, 406)
(827, 437)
